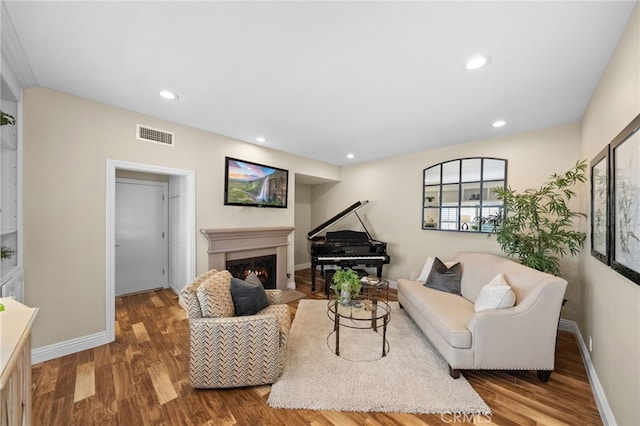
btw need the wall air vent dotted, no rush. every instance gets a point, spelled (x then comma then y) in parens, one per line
(149, 134)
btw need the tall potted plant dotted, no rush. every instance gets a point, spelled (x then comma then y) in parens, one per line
(346, 285)
(538, 225)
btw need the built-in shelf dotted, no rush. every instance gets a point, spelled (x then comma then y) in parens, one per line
(10, 224)
(8, 272)
(6, 143)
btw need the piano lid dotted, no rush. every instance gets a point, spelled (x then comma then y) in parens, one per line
(337, 218)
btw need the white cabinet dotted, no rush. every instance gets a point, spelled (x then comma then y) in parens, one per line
(15, 363)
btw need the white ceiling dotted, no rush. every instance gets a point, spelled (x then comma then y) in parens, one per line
(323, 79)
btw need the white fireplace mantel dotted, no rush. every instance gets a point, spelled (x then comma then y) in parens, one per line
(240, 243)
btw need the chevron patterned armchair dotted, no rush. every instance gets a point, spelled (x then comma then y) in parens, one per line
(233, 351)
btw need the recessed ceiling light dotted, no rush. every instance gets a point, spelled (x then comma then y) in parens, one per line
(261, 139)
(168, 95)
(350, 156)
(499, 123)
(476, 62)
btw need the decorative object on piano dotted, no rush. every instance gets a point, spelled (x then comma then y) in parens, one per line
(253, 184)
(539, 227)
(346, 285)
(345, 248)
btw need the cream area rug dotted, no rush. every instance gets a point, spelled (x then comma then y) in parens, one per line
(289, 295)
(412, 378)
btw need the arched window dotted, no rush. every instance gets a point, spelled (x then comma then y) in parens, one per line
(457, 194)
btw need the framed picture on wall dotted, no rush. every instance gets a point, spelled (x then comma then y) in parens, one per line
(600, 206)
(625, 202)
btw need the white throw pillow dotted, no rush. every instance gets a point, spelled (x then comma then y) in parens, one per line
(495, 295)
(425, 270)
(428, 264)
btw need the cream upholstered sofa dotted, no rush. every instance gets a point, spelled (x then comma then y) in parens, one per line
(521, 337)
(227, 350)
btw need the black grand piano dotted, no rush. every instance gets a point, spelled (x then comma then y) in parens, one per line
(345, 248)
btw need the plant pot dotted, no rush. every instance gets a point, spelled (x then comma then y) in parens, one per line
(345, 298)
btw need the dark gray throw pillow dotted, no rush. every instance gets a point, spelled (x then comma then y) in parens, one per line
(248, 298)
(443, 278)
(253, 279)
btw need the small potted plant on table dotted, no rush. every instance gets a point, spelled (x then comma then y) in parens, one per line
(346, 285)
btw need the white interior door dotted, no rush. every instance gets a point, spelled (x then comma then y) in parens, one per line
(141, 236)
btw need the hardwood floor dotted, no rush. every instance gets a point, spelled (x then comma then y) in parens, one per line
(142, 379)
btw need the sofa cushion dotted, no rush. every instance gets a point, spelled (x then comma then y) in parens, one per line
(495, 295)
(214, 295)
(426, 268)
(447, 313)
(248, 297)
(444, 278)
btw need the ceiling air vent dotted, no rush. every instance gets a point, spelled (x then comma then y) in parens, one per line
(149, 134)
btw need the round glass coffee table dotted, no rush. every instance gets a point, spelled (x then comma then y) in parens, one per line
(375, 289)
(359, 315)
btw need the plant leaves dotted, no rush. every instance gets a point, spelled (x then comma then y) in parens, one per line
(538, 225)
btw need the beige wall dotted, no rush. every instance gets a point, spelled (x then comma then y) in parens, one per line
(302, 215)
(393, 188)
(67, 141)
(611, 303)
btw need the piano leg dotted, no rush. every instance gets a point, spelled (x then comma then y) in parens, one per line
(313, 278)
(379, 271)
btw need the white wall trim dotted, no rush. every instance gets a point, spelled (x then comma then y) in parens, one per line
(190, 251)
(60, 349)
(598, 392)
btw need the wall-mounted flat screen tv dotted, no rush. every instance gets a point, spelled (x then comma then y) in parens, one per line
(252, 184)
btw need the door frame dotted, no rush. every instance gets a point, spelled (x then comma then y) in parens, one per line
(165, 219)
(189, 206)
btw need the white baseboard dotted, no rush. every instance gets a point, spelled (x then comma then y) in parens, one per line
(598, 392)
(57, 350)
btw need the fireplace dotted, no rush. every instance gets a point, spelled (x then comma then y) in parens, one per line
(263, 266)
(231, 245)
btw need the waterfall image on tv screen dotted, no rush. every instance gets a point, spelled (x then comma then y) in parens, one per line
(252, 184)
